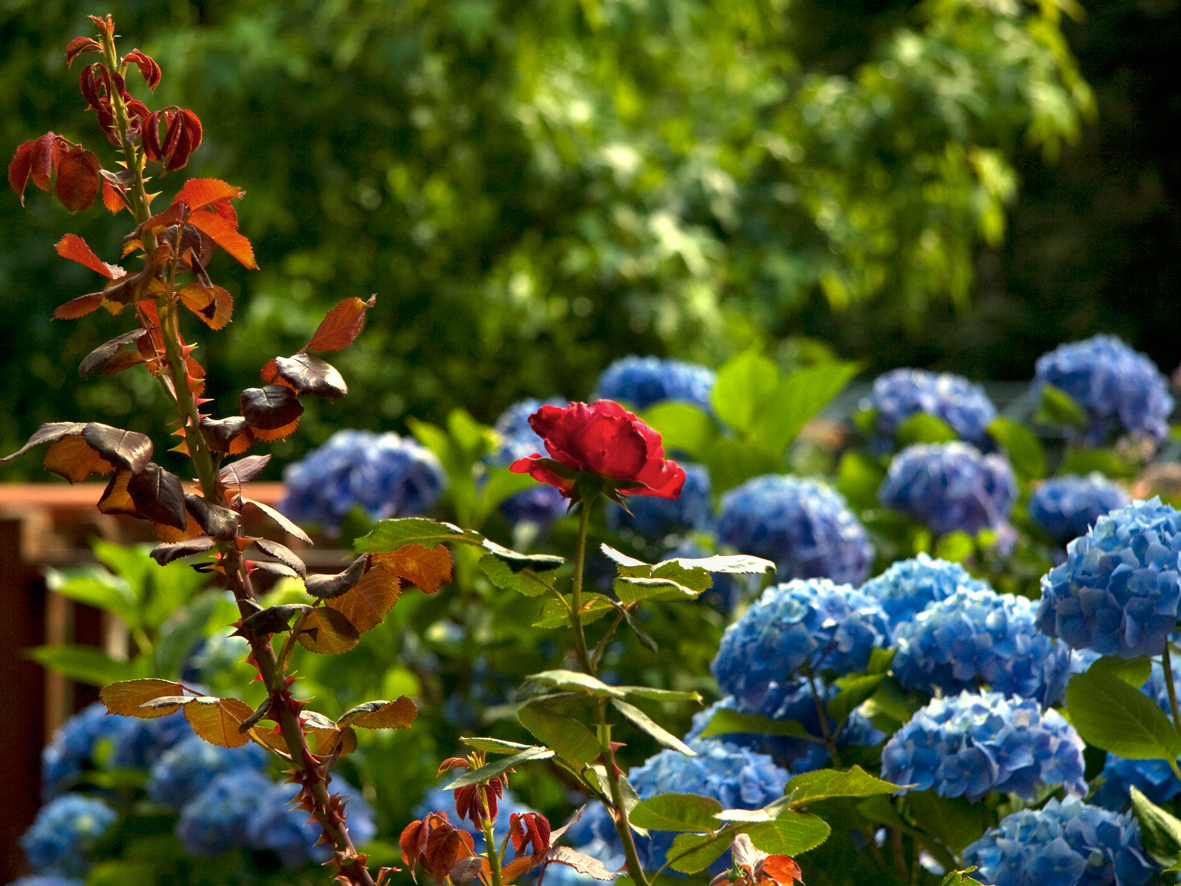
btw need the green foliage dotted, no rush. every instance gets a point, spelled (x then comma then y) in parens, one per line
(1111, 714)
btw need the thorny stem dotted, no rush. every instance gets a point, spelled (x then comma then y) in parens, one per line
(307, 770)
(490, 845)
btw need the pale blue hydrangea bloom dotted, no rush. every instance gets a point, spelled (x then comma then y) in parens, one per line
(655, 518)
(383, 474)
(540, 503)
(64, 759)
(38, 880)
(734, 776)
(1066, 507)
(218, 818)
(1119, 589)
(979, 637)
(642, 381)
(973, 743)
(63, 832)
(1121, 390)
(1065, 843)
(909, 586)
(798, 523)
(812, 625)
(950, 486)
(901, 393)
(184, 770)
(288, 833)
(797, 703)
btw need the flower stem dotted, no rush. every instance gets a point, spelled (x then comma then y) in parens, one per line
(622, 825)
(490, 850)
(1167, 664)
(576, 593)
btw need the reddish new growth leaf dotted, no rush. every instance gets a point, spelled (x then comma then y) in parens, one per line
(477, 802)
(530, 830)
(79, 45)
(77, 179)
(436, 845)
(341, 325)
(225, 234)
(147, 66)
(753, 867)
(182, 136)
(74, 248)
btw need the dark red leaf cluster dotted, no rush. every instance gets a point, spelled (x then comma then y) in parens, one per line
(529, 831)
(479, 803)
(182, 136)
(74, 170)
(437, 846)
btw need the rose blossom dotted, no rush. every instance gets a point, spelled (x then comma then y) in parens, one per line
(605, 440)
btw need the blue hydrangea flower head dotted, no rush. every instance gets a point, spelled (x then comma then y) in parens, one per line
(540, 503)
(38, 880)
(1120, 389)
(907, 587)
(815, 625)
(654, 518)
(218, 818)
(1065, 843)
(734, 776)
(142, 746)
(184, 770)
(1153, 778)
(973, 743)
(901, 393)
(289, 833)
(981, 637)
(1066, 507)
(950, 486)
(642, 381)
(71, 752)
(1119, 589)
(383, 474)
(63, 832)
(798, 523)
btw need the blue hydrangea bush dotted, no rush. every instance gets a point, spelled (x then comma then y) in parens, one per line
(902, 393)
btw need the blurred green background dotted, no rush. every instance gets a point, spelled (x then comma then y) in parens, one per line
(535, 188)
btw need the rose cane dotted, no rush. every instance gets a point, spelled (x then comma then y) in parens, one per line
(600, 449)
(181, 239)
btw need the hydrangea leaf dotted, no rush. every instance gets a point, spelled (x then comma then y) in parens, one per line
(960, 878)
(1058, 408)
(677, 812)
(956, 821)
(809, 787)
(1133, 671)
(858, 479)
(727, 720)
(499, 767)
(732, 462)
(1110, 714)
(798, 397)
(327, 632)
(569, 738)
(127, 697)
(554, 615)
(86, 664)
(389, 535)
(924, 428)
(645, 723)
(523, 581)
(789, 834)
(692, 853)
(1159, 830)
(1026, 452)
(854, 689)
(745, 383)
(683, 428)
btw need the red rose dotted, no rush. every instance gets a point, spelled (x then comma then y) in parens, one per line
(606, 441)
